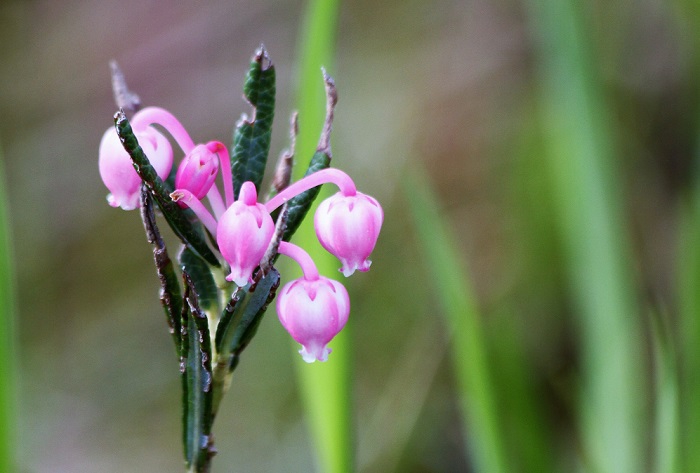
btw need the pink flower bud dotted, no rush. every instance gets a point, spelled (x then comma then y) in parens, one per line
(117, 170)
(348, 226)
(243, 233)
(313, 312)
(197, 171)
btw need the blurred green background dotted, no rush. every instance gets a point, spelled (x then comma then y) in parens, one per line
(533, 300)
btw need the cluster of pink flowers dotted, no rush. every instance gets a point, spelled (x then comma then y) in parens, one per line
(313, 309)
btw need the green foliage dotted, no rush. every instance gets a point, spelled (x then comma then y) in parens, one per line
(200, 273)
(197, 392)
(325, 388)
(581, 161)
(473, 370)
(170, 294)
(251, 139)
(243, 315)
(8, 405)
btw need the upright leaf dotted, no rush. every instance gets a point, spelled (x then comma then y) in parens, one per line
(241, 318)
(195, 367)
(239, 323)
(201, 276)
(581, 160)
(170, 295)
(324, 387)
(251, 139)
(8, 353)
(472, 365)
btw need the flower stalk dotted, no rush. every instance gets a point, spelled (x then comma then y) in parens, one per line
(213, 318)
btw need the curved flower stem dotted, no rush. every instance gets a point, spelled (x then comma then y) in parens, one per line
(332, 175)
(187, 198)
(301, 257)
(217, 203)
(160, 116)
(225, 160)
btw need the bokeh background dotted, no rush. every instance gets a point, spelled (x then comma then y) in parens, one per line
(461, 93)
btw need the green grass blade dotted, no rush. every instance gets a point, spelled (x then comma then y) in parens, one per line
(580, 159)
(8, 424)
(325, 387)
(469, 352)
(688, 284)
(687, 16)
(666, 439)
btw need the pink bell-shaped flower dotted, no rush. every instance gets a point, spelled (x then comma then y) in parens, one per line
(313, 312)
(117, 170)
(197, 172)
(348, 226)
(243, 234)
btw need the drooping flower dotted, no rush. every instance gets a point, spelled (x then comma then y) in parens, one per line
(348, 227)
(117, 170)
(197, 171)
(313, 312)
(313, 309)
(347, 223)
(243, 234)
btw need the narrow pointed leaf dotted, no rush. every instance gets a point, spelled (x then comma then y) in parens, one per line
(185, 227)
(8, 339)
(251, 139)
(201, 276)
(473, 368)
(170, 295)
(195, 367)
(240, 320)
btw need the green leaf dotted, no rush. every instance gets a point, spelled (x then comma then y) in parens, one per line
(8, 350)
(195, 366)
(251, 139)
(170, 296)
(203, 281)
(469, 352)
(240, 319)
(299, 206)
(188, 229)
(581, 160)
(324, 387)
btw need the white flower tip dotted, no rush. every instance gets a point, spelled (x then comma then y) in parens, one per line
(349, 269)
(240, 281)
(129, 204)
(315, 354)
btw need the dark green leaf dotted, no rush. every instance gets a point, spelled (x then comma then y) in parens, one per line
(185, 227)
(242, 316)
(299, 206)
(195, 366)
(170, 296)
(251, 139)
(201, 276)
